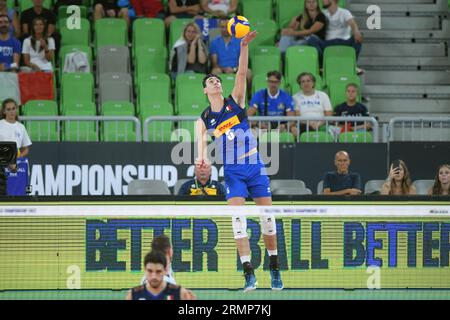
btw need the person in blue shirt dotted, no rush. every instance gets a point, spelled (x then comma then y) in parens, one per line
(9, 47)
(272, 101)
(341, 181)
(202, 184)
(225, 119)
(224, 51)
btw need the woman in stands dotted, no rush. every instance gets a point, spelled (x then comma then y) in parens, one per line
(399, 181)
(310, 102)
(441, 181)
(189, 53)
(38, 49)
(311, 22)
(14, 28)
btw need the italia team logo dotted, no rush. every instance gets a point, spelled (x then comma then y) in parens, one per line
(228, 108)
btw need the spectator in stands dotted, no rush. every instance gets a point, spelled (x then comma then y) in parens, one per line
(272, 102)
(9, 47)
(219, 8)
(441, 184)
(341, 181)
(398, 181)
(149, 8)
(38, 49)
(189, 53)
(311, 21)
(110, 9)
(12, 130)
(341, 29)
(202, 184)
(310, 102)
(14, 26)
(27, 17)
(183, 9)
(352, 108)
(224, 51)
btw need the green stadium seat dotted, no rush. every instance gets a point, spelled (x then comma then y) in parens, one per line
(77, 130)
(80, 36)
(227, 83)
(277, 137)
(338, 61)
(111, 31)
(255, 10)
(77, 87)
(63, 15)
(286, 10)
(319, 136)
(154, 88)
(300, 59)
(158, 131)
(336, 88)
(176, 30)
(189, 91)
(150, 60)
(148, 32)
(41, 130)
(189, 109)
(355, 137)
(27, 4)
(259, 82)
(158, 77)
(122, 131)
(264, 60)
(267, 31)
(11, 4)
(73, 48)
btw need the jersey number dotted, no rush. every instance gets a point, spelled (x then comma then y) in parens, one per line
(230, 135)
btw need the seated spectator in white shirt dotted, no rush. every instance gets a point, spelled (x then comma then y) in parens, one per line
(310, 102)
(38, 49)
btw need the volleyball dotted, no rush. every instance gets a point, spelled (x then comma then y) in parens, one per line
(238, 26)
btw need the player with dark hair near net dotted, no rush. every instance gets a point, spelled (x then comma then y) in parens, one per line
(156, 288)
(162, 243)
(226, 121)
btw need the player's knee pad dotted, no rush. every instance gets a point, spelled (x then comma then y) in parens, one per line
(240, 227)
(268, 225)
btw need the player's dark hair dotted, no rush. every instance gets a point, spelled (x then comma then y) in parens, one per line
(210, 76)
(276, 74)
(161, 243)
(156, 257)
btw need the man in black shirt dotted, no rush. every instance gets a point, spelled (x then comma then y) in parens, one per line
(341, 181)
(27, 17)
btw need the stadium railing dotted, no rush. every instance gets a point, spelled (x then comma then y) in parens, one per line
(330, 124)
(419, 129)
(97, 119)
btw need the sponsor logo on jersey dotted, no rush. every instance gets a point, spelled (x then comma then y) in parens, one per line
(213, 122)
(228, 108)
(225, 126)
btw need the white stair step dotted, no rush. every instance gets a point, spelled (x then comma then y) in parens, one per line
(394, 105)
(402, 63)
(407, 77)
(401, 23)
(383, 49)
(439, 7)
(429, 90)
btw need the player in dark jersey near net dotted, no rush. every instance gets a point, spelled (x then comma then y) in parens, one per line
(226, 121)
(157, 288)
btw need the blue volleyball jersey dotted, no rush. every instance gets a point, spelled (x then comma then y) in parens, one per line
(170, 292)
(231, 132)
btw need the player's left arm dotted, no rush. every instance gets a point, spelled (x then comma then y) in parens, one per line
(240, 83)
(186, 294)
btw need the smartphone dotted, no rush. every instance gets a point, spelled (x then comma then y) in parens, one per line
(396, 164)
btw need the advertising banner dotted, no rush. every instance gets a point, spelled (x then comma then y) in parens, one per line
(80, 246)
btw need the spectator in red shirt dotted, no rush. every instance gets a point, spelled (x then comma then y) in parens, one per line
(148, 8)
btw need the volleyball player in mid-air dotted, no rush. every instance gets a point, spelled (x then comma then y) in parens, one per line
(226, 120)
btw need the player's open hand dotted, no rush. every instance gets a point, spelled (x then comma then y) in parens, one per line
(249, 38)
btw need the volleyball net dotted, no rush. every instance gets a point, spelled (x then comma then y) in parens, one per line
(101, 246)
